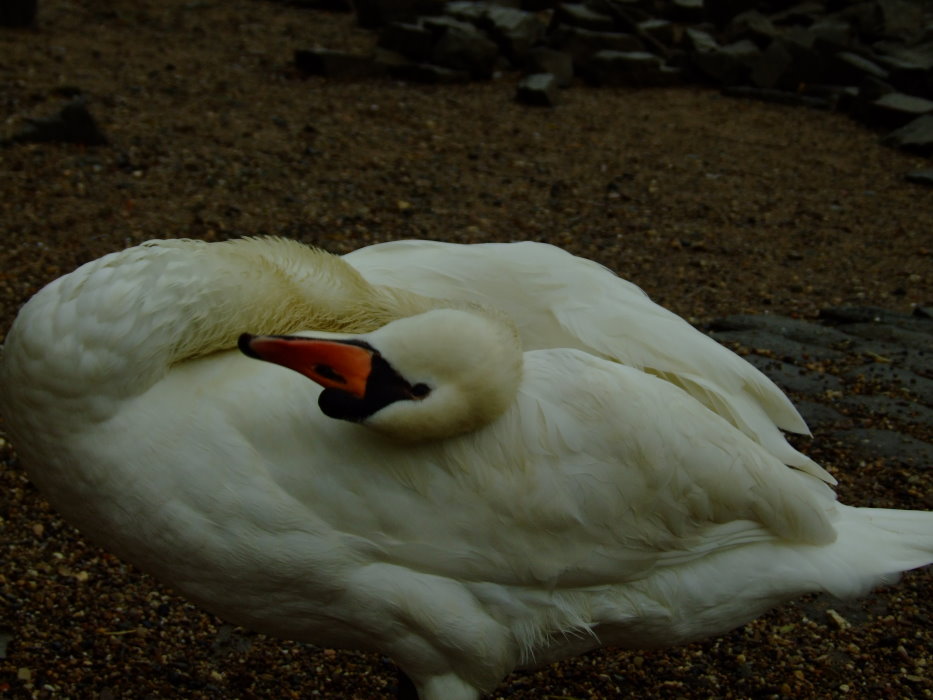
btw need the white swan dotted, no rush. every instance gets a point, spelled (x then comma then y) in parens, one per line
(481, 506)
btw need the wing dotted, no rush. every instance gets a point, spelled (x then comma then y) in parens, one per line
(560, 300)
(599, 474)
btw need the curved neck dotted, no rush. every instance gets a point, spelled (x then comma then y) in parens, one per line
(113, 327)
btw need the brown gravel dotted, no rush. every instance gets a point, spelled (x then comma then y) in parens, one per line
(713, 205)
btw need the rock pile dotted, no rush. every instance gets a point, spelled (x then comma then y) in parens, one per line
(870, 58)
(861, 377)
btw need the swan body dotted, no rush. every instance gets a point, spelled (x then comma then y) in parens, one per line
(505, 488)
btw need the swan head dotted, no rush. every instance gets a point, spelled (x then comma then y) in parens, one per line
(432, 376)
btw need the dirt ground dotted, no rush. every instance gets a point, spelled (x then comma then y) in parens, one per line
(712, 205)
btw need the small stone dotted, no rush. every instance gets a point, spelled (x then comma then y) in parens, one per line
(544, 60)
(838, 619)
(920, 177)
(538, 89)
(916, 136)
(73, 124)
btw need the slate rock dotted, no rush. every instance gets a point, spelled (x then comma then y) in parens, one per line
(628, 68)
(659, 31)
(412, 40)
(819, 415)
(752, 25)
(849, 68)
(795, 329)
(427, 73)
(72, 124)
(537, 89)
(515, 31)
(580, 44)
(874, 314)
(796, 379)
(897, 410)
(542, 59)
(892, 334)
(920, 177)
(721, 11)
(466, 49)
(687, 10)
(730, 64)
(894, 378)
(581, 16)
(786, 349)
(376, 13)
(916, 136)
(887, 444)
(897, 109)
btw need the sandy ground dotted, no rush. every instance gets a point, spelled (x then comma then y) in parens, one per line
(712, 205)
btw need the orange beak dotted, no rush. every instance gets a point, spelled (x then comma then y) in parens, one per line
(333, 364)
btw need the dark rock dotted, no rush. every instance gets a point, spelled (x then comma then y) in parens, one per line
(414, 41)
(337, 64)
(910, 67)
(544, 60)
(721, 11)
(795, 329)
(870, 89)
(466, 49)
(901, 19)
(537, 89)
(687, 10)
(832, 34)
(632, 68)
(796, 379)
(659, 30)
(583, 17)
(892, 334)
(848, 68)
(897, 410)
(18, 13)
(871, 314)
(897, 109)
(728, 65)
(887, 444)
(804, 13)
(916, 136)
(752, 25)
(467, 11)
(894, 378)
(771, 66)
(700, 40)
(583, 43)
(376, 13)
(515, 31)
(920, 177)
(786, 349)
(819, 415)
(73, 124)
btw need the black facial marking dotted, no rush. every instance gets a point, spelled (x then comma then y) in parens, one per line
(383, 387)
(329, 372)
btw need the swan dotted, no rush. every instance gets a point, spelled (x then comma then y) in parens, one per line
(460, 486)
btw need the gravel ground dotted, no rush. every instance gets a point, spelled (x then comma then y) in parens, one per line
(714, 206)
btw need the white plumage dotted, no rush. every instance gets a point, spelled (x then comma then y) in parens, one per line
(570, 465)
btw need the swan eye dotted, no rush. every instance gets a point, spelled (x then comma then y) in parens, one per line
(419, 391)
